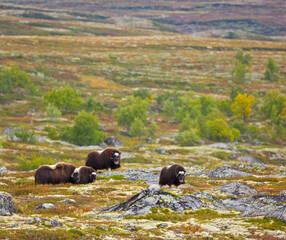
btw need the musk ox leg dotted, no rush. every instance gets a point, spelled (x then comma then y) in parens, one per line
(172, 186)
(109, 169)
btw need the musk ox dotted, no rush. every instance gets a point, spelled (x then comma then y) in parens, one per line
(83, 175)
(172, 175)
(53, 174)
(108, 159)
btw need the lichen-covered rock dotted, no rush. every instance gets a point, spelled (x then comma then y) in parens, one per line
(113, 141)
(7, 205)
(226, 172)
(279, 213)
(153, 197)
(238, 189)
(258, 205)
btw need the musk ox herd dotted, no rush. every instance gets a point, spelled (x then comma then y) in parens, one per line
(107, 159)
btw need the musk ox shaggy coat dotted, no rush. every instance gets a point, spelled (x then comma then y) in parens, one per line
(108, 159)
(83, 175)
(172, 175)
(53, 174)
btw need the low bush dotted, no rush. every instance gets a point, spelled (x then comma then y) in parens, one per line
(26, 163)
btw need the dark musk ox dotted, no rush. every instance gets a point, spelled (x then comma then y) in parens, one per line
(172, 175)
(54, 174)
(108, 159)
(83, 175)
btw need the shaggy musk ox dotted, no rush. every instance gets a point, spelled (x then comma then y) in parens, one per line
(83, 175)
(53, 174)
(108, 159)
(172, 175)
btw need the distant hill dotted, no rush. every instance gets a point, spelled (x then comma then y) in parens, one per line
(249, 19)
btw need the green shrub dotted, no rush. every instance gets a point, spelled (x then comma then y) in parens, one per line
(53, 133)
(188, 137)
(142, 93)
(234, 134)
(135, 107)
(22, 135)
(253, 129)
(66, 99)
(26, 163)
(169, 108)
(86, 130)
(219, 130)
(240, 125)
(92, 105)
(136, 128)
(12, 79)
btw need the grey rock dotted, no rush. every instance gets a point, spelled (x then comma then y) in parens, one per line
(238, 189)
(153, 197)
(46, 206)
(162, 225)
(161, 150)
(127, 155)
(103, 228)
(7, 205)
(135, 175)
(258, 205)
(279, 213)
(8, 131)
(225, 171)
(225, 146)
(3, 170)
(103, 145)
(69, 201)
(113, 141)
(257, 143)
(53, 223)
(249, 159)
(207, 200)
(35, 220)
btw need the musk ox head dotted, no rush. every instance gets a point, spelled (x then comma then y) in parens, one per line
(92, 177)
(76, 175)
(181, 176)
(115, 156)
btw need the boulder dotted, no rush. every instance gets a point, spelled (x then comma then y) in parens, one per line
(226, 172)
(3, 170)
(153, 197)
(238, 189)
(249, 159)
(113, 141)
(279, 213)
(7, 205)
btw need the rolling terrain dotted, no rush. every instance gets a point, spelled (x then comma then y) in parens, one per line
(110, 51)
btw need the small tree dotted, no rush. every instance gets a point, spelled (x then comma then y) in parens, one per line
(243, 58)
(86, 130)
(53, 112)
(241, 67)
(219, 130)
(272, 71)
(242, 105)
(239, 72)
(169, 108)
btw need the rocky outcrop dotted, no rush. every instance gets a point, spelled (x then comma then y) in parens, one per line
(238, 189)
(154, 197)
(279, 213)
(7, 205)
(226, 172)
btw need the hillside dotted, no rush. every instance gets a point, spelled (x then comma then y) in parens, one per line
(261, 20)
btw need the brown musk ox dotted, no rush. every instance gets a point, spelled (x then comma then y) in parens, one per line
(108, 159)
(54, 174)
(172, 175)
(83, 175)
